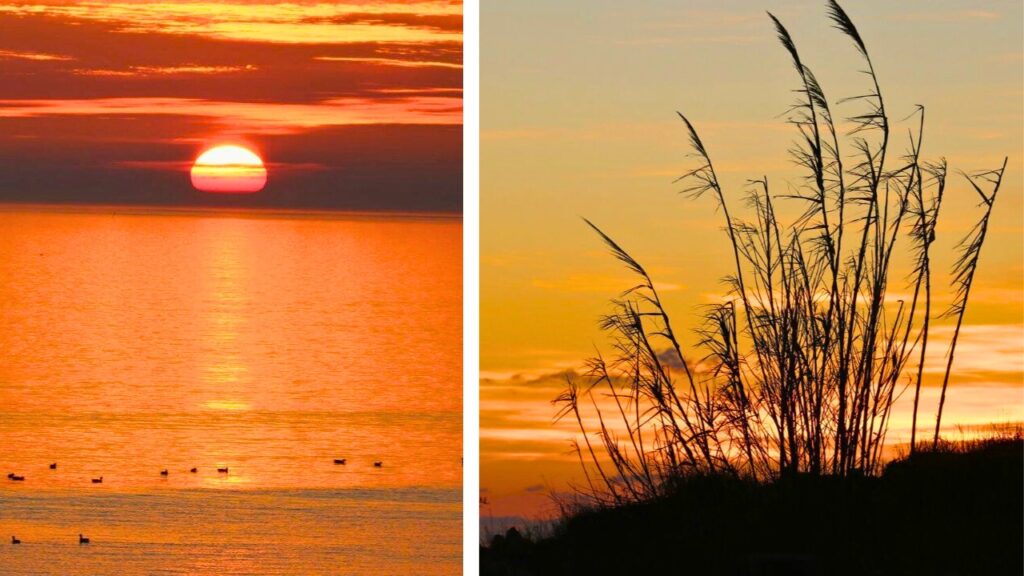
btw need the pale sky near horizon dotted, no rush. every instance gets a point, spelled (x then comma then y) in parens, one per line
(578, 104)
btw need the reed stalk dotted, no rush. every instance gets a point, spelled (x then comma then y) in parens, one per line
(801, 363)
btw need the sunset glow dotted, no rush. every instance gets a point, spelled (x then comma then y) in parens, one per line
(603, 142)
(229, 169)
(202, 192)
(350, 96)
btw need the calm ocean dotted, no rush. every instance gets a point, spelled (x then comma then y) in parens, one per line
(134, 341)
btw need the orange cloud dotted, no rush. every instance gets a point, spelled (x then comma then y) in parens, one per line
(984, 351)
(283, 23)
(37, 56)
(256, 118)
(389, 62)
(165, 70)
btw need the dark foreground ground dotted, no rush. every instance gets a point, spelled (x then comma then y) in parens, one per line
(950, 513)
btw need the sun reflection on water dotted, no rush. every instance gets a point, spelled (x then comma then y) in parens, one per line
(226, 283)
(226, 405)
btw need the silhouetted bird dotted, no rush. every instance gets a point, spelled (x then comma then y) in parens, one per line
(98, 480)
(193, 470)
(15, 540)
(82, 539)
(17, 478)
(224, 470)
(163, 472)
(340, 460)
(378, 464)
(53, 466)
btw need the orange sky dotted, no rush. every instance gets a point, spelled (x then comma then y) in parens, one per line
(357, 104)
(578, 120)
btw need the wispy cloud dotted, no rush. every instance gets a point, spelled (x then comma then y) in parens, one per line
(986, 351)
(257, 118)
(597, 283)
(390, 62)
(737, 39)
(183, 70)
(279, 22)
(692, 26)
(948, 16)
(37, 56)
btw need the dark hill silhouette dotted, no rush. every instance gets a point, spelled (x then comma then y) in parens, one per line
(953, 512)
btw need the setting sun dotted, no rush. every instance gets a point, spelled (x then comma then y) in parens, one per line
(229, 169)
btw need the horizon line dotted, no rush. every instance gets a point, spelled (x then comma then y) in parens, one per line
(238, 211)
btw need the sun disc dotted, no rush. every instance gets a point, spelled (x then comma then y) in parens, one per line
(229, 169)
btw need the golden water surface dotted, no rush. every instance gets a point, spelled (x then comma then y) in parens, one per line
(134, 341)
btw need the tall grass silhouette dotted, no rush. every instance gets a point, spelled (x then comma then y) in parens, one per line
(801, 363)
